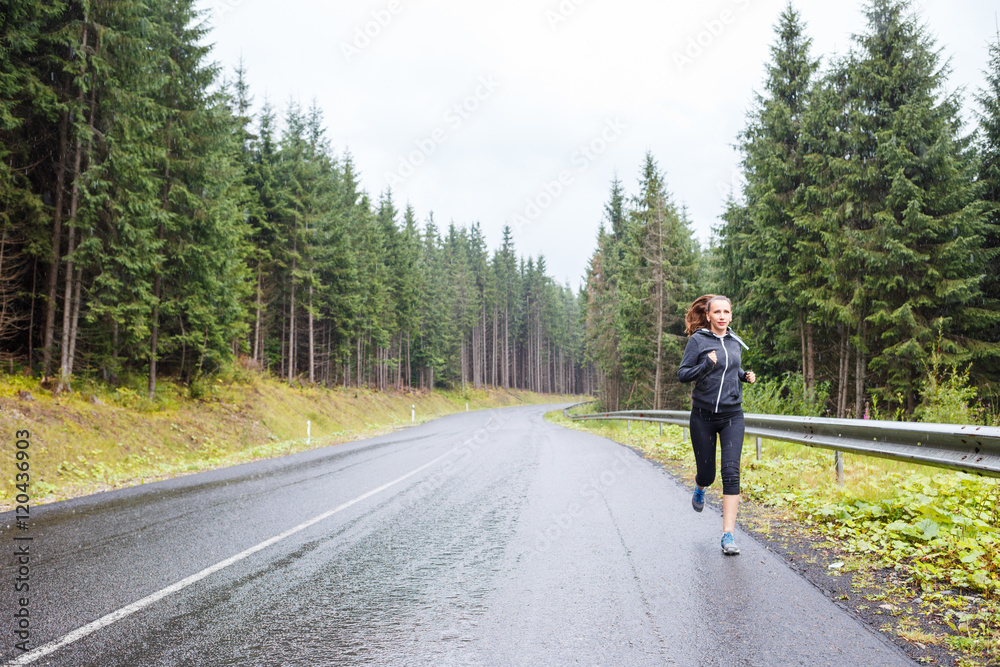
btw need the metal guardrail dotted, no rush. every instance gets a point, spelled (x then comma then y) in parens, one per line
(972, 449)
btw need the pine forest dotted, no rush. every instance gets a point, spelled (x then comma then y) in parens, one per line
(152, 224)
(155, 222)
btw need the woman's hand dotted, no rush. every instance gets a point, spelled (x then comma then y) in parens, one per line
(714, 357)
(751, 377)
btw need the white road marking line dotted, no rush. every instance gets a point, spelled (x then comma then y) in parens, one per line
(104, 621)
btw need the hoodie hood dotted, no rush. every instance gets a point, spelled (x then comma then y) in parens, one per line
(729, 332)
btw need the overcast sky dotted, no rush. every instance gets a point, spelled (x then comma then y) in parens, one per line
(521, 112)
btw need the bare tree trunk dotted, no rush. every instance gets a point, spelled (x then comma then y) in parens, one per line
(843, 374)
(201, 355)
(257, 329)
(284, 351)
(50, 304)
(312, 337)
(538, 353)
(462, 363)
(31, 315)
(357, 371)
(158, 282)
(565, 377)
(859, 372)
(483, 366)
(72, 301)
(291, 320)
(802, 342)
(513, 367)
(847, 369)
(507, 361)
(64, 370)
(328, 364)
(75, 322)
(550, 366)
(811, 358)
(155, 334)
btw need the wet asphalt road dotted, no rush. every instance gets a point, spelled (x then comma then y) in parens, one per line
(488, 538)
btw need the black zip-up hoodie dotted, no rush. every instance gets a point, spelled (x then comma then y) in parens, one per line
(717, 386)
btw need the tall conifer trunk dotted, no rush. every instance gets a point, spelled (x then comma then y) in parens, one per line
(312, 336)
(257, 324)
(158, 281)
(50, 304)
(71, 299)
(859, 373)
(291, 319)
(811, 359)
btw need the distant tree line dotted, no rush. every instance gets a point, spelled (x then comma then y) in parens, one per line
(151, 223)
(864, 240)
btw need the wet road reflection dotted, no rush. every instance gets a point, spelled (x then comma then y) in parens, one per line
(523, 543)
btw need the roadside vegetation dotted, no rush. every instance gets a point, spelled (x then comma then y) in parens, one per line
(99, 437)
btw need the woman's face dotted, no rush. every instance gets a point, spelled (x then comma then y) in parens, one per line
(720, 314)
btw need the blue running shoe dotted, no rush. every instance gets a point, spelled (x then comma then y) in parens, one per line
(728, 545)
(698, 499)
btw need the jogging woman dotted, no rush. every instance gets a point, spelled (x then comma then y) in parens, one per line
(712, 361)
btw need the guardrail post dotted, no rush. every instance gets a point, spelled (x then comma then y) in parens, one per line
(628, 425)
(839, 460)
(758, 449)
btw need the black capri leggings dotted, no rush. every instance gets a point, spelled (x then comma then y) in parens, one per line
(729, 425)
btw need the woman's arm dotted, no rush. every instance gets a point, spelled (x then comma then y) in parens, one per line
(692, 367)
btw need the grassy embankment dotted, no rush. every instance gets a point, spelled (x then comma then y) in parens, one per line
(99, 438)
(918, 548)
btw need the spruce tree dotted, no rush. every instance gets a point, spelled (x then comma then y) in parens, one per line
(601, 306)
(988, 325)
(824, 207)
(917, 223)
(772, 269)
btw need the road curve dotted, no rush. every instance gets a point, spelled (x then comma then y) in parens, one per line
(489, 537)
